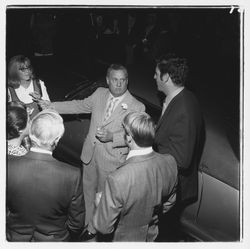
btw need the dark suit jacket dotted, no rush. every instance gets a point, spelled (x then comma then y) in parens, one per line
(44, 199)
(179, 133)
(133, 196)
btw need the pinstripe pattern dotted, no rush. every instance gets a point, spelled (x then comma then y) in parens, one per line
(95, 104)
(100, 158)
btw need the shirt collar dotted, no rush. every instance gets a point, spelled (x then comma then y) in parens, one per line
(120, 98)
(140, 152)
(39, 150)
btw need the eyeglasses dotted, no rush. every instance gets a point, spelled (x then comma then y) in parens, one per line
(22, 69)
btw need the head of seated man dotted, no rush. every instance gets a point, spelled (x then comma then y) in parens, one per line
(46, 129)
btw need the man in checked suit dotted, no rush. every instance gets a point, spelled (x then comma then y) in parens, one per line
(104, 149)
(180, 130)
(140, 189)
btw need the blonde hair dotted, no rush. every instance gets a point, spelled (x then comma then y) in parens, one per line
(141, 127)
(46, 128)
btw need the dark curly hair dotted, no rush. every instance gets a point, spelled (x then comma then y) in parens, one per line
(17, 119)
(177, 69)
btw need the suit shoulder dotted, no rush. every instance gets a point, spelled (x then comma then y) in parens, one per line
(67, 167)
(136, 103)
(101, 90)
(121, 174)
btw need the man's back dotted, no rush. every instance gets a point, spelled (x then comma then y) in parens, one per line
(44, 199)
(137, 188)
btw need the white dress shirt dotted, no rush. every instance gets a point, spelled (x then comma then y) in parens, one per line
(39, 150)
(140, 152)
(118, 100)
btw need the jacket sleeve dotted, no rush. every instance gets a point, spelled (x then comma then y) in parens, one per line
(76, 212)
(76, 106)
(109, 207)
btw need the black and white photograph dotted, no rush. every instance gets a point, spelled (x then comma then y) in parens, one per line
(124, 123)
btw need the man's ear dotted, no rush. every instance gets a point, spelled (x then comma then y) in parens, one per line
(56, 141)
(129, 138)
(107, 80)
(165, 78)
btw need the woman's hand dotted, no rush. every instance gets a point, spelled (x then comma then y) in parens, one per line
(35, 96)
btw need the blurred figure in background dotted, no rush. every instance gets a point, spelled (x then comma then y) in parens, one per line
(131, 36)
(17, 128)
(148, 37)
(140, 189)
(110, 48)
(44, 196)
(43, 29)
(23, 86)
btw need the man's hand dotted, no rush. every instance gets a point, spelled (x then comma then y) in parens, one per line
(104, 135)
(44, 104)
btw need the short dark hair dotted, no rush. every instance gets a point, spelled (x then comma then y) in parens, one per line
(117, 67)
(175, 67)
(141, 127)
(17, 118)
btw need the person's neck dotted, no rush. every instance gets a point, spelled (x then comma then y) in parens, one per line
(25, 83)
(15, 141)
(47, 148)
(134, 146)
(171, 89)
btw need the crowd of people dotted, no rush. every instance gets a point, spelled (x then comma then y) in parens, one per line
(134, 172)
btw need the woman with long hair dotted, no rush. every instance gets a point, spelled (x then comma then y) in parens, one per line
(23, 86)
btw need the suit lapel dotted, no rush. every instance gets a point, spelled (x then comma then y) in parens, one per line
(127, 100)
(169, 107)
(103, 104)
(165, 114)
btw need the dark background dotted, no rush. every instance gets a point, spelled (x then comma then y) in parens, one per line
(209, 37)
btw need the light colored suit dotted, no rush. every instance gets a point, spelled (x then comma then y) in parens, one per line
(133, 197)
(100, 158)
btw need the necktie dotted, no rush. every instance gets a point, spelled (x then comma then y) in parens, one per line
(110, 108)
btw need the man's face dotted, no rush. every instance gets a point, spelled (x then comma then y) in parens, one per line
(160, 81)
(117, 82)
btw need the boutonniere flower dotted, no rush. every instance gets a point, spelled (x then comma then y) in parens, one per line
(124, 106)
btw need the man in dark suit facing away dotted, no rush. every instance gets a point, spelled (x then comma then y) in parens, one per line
(140, 189)
(180, 129)
(44, 196)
